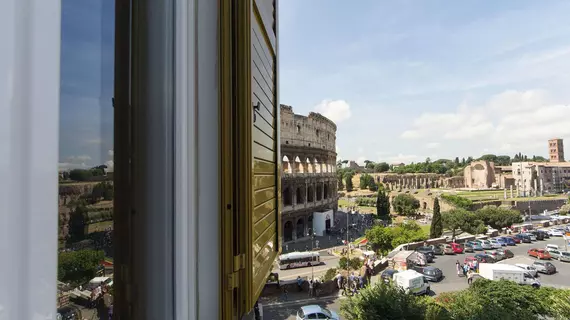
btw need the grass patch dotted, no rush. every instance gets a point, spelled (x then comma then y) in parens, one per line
(98, 226)
(343, 203)
(426, 229)
(357, 241)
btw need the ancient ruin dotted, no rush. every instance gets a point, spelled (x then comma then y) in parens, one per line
(308, 180)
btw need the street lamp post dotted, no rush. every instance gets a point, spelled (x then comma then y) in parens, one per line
(312, 235)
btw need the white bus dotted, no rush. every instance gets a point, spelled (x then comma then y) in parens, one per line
(298, 259)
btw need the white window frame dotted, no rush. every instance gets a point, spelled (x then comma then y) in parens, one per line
(30, 33)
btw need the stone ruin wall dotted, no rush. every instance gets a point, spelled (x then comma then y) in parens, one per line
(312, 131)
(413, 181)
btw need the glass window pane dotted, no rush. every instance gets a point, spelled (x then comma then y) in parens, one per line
(85, 234)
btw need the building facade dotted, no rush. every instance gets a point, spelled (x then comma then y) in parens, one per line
(538, 178)
(556, 150)
(308, 180)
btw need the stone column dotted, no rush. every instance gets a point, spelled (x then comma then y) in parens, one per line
(535, 188)
(511, 191)
(541, 187)
(505, 195)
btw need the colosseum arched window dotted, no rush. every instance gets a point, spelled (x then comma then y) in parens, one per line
(287, 197)
(310, 194)
(299, 196)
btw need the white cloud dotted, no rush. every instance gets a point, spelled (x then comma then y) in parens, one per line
(403, 158)
(111, 153)
(510, 121)
(360, 160)
(75, 162)
(433, 145)
(110, 165)
(336, 110)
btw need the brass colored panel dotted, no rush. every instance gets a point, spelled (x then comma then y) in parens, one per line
(264, 66)
(261, 96)
(259, 35)
(261, 261)
(263, 140)
(261, 48)
(261, 152)
(264, 83)
(266, 238)
(267, 24)
(261, 270)
(262, 209)
(264, 126)
(263, 195)
(260, 166)
(263, 182)
(264, 113)
(260, 226)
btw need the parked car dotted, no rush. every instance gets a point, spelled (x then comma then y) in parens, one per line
(468, 248)
(437, 248)
(387, 275)
(537, 234)
(495, 244)
(523, 238)
(485, 258)
(544, 267)
(544, 234)
(502, 241)
(564, 256)
(539, 254)
(495, 254)
(316, 312)
(555, 254)
(531, 236)
(431, 273)
(448, 249)
(552, 246)
(556, 233)
(486, 245)
(475, 245)
(68, 313)
(515, 239)
(530, 269)
(428, 252)
(506, 252)
(457, 248)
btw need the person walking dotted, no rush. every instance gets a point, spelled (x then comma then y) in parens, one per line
(458, 268)
(311, 288)
(470, 274)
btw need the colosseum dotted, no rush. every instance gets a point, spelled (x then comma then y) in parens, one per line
(308, 183)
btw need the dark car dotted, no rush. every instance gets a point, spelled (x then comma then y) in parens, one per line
(524, 238)
(387, 275)
(506, 252)
(544, 267)
(431, 273)
(68, 313)
(468, 248)
(545, 234)
(538, 235)
(485, 258)
(510, 241)
(428, 252)
(437, 248)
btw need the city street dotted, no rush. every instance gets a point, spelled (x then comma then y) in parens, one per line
(452, 282)
(288, 310)
(329, 261)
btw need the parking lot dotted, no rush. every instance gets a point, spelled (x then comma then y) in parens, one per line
(452, 282)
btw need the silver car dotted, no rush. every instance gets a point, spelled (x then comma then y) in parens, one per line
(564, 256)
(554, 253)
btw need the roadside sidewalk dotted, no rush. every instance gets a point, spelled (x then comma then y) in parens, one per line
(295, 297)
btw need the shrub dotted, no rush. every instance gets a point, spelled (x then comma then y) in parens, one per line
(330, 274)
(355, 263)
(343, 263)
(458, 201)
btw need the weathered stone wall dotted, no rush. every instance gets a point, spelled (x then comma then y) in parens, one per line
(314, 131)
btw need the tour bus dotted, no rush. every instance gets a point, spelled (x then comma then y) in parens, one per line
(298, 260)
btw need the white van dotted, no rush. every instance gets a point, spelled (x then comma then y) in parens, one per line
(552, 246)
(412, 282)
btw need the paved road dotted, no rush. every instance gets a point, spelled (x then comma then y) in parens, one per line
(452, 282)
(329, 261)
(288, 310)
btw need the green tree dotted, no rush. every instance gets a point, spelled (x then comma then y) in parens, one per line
(380, 238)
(382, 204)
(462, 220)
(498, 217)
(79, 266)
(407, 232)
(436, 229)
(564, 209)
(348, 182)
(366, 180)
(381, 167)
(80, 175)
(382, 301)
(405, 204)
(340, 178)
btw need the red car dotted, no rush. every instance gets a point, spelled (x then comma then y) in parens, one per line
(517, 240)
(457, 248)
(539, 254)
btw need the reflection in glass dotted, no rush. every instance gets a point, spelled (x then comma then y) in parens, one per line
(85, 232)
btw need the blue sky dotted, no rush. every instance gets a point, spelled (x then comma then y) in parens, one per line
(406, 80)
(86, 111)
